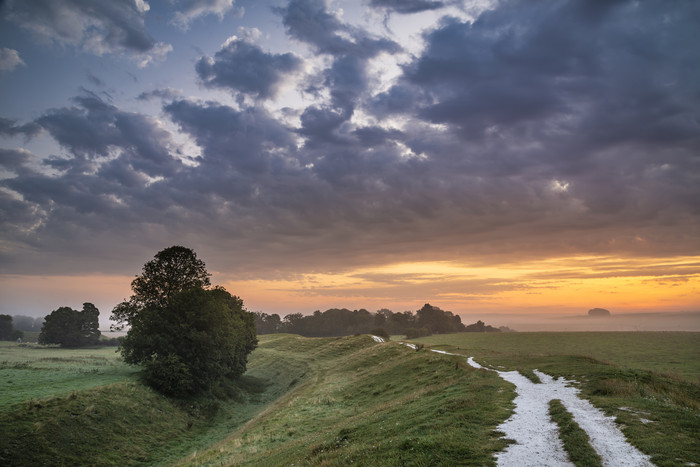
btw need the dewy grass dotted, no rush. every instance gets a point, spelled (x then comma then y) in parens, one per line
(334, 401)
(362, 403)
(672, 353)
(576, 442)
(658, 412)
(34, 372)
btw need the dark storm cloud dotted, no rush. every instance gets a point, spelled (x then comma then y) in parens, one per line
(244, 67)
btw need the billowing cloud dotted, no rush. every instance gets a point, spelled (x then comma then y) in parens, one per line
(94, 130)
(346, 80)
(98, 26)
(9, 59)
(242, 66)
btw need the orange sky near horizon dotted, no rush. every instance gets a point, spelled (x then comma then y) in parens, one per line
(562, 285)
(569, 285)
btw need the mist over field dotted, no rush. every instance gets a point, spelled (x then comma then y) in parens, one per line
(659, 321)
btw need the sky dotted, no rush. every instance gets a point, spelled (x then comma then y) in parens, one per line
(503, 159)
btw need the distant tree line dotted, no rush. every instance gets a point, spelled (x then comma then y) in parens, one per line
(27, 323)
(8, 332)
(342, 322)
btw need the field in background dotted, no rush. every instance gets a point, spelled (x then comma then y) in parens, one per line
(30, 371)
(335, 401)
(673, 353)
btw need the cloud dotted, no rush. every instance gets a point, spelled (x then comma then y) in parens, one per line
(560, 129)
(407, 6)
(14, 159)
(9, 128)
(97, 26)
(93, 130)
(166, 94)
(247, 141)
(241, 66)
(194, 9)
(9, 59)
(309, 21)
(346, 79)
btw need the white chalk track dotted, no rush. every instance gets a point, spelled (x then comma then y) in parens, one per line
(536, 436)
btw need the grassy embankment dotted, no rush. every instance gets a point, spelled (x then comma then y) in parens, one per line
(647, 380)
(361, 403)
(315, 401)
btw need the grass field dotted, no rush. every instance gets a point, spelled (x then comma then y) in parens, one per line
(341, 401)
(672, 353)
(647, 380)
(34, 372)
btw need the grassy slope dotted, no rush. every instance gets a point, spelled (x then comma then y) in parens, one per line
(338, 401)
(314, 400)
(360, 401)
(83, 406)
(659, 412)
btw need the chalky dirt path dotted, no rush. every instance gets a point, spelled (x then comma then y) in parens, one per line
(536, 436)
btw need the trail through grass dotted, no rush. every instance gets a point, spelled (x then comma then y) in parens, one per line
(658, 412)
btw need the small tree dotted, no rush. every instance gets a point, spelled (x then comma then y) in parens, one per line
(185, 335)
(71, 328)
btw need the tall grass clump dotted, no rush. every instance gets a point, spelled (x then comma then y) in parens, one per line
(576, 441)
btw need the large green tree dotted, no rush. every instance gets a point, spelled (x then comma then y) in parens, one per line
(186, 335)
(71, 328)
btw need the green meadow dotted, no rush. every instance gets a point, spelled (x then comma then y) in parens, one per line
(345, 401)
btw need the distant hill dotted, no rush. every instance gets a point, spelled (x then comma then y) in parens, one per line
(598, 312)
